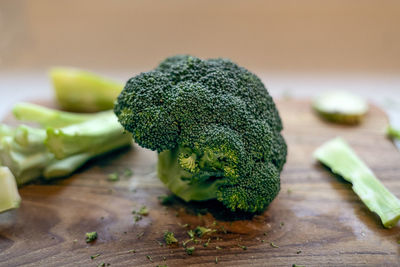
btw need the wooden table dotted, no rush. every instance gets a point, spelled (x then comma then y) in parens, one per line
(316, 220)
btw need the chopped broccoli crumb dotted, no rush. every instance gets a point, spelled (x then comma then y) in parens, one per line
(218, 247)
(128, 172)
(149, 258)
(139, 235)
(143, 211)
(132, 251)
(102, 264)
(162, 265)
(138, 217)
(90, 237)
(298, 252)
(191, 233)
(207, 243)
(342, 160)
(200, 231)
(273, 245)
(113, 177)
(242, 247)
(169, 238)
(189, 250)
(94, 256)
(295, 265)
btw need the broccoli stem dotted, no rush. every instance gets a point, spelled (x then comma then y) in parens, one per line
(82, 91)
(393, 132)
(179, 180)
(87, 137)
(9, 196)
(47, 117)
(342, 160)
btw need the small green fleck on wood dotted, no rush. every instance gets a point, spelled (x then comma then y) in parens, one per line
(242, 247)
(149, 258)
(169, 238)
(273, 245)
(113, 177)
(90, 237)
(94, 256)
(143, 211)
(189, 250)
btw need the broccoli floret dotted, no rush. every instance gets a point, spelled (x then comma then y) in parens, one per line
(215, 127)
(82, 91)
(169, 238)
(342, 160)
(9, 197)
(90, 237)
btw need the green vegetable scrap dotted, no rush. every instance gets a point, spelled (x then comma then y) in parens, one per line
(190, 250)
(143, 211)
(341, 107)
(273, 245)
(200, 231)
(215, 127)
(342, 160)
(393, 132)
(169, 238)
(82, 91)
(91, 236)
(113, 177)
(9, 196)
(94, 256)
(31, 153)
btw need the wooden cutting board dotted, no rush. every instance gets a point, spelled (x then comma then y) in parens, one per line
(316, 220)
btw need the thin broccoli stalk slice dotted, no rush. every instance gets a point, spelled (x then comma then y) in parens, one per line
(9, 196)
(83, 91)
(393, 132)
(29, 137)
(342, 160)
(181, 182)
(341, 107)
(66, 166)
(48, 117)
(25, 163)
(86, 137)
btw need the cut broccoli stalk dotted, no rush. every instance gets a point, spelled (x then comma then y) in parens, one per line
(24, 162)
(342, 160)
(173, 172)
(82, 91)
(25, 152)
(47, 117)
(9, 196)
(393, 132)
(341, 107)
(87, 137)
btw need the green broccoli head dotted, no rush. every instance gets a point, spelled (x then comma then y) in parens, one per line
(215, 127)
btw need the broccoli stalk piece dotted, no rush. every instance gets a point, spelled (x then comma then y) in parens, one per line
(94, 136)
(341, 107)
(342, 160)
(82, 91)
(215, 127)
(393, 132)
(25, 152)
(9, 196)
(169, 238)
(47, 117)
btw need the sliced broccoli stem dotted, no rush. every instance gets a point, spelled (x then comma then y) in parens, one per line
(342, 160)
(9, 196)
(47, 117)
(86, 137)
(393, 132)
(82, 91)
(180, 181)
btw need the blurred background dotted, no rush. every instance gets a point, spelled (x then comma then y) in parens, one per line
(298, 48)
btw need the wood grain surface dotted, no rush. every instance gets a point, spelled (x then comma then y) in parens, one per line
(316, 220)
